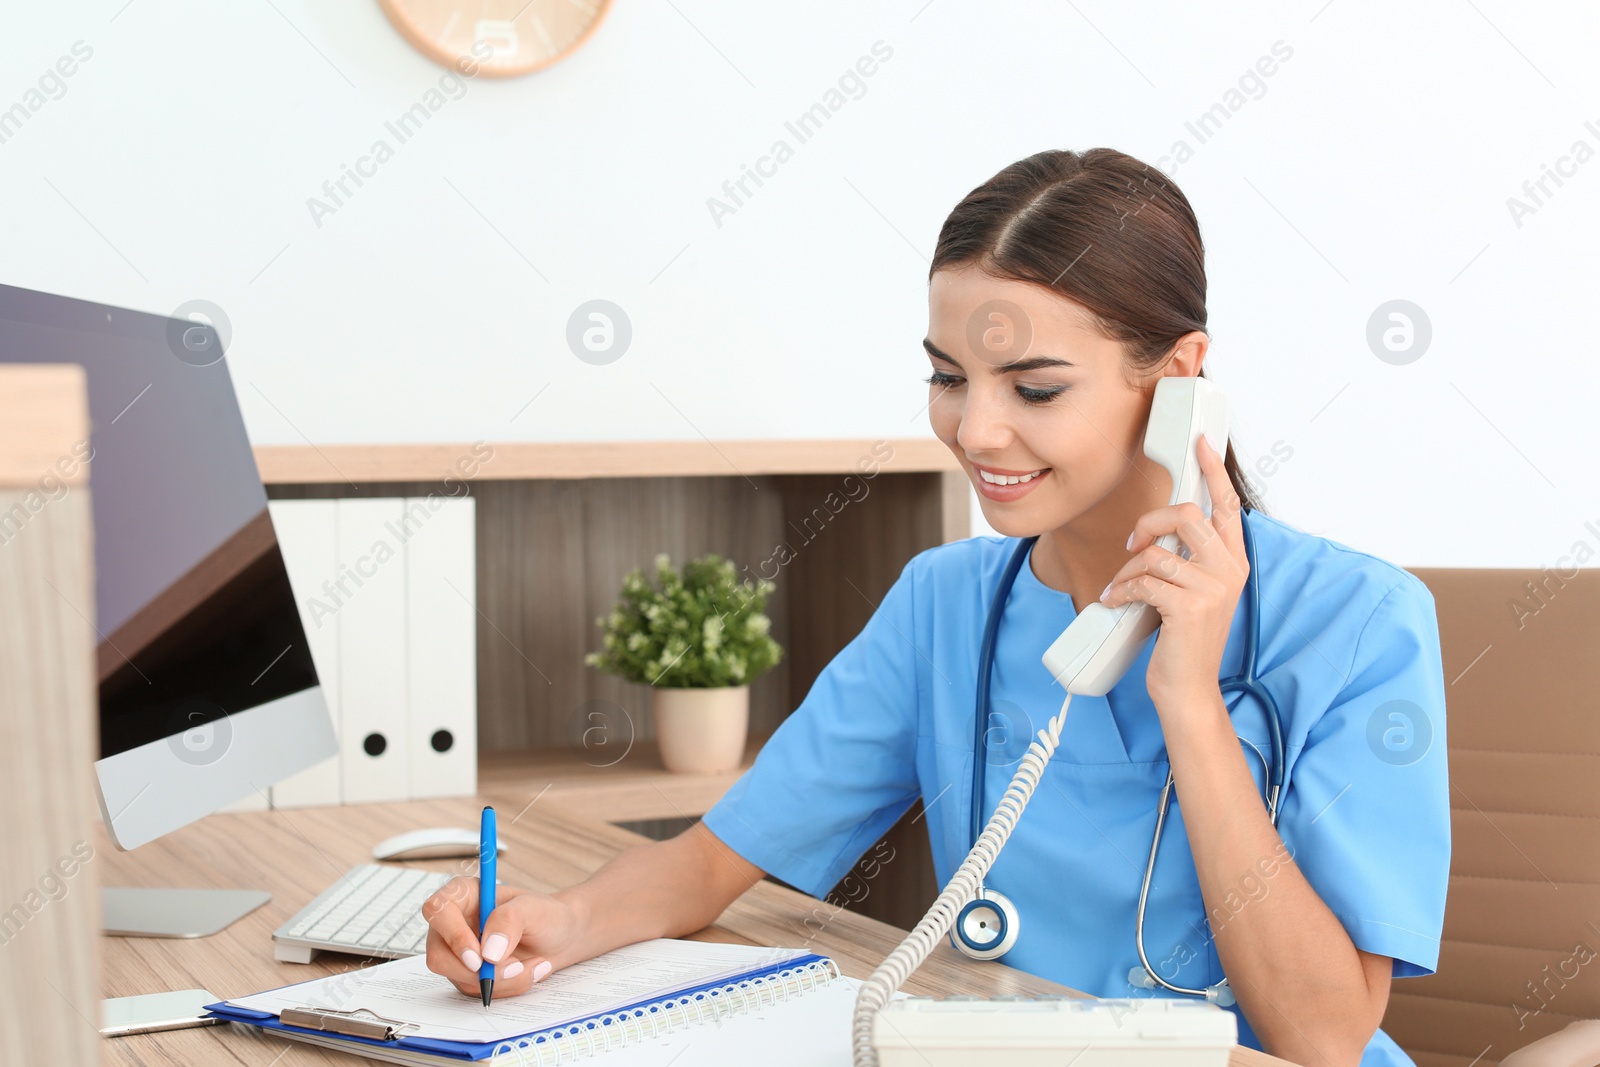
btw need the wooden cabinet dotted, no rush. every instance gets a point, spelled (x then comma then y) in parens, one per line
(49, 884)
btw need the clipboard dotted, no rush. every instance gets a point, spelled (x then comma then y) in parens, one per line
(359, 1029)
(358, 1022)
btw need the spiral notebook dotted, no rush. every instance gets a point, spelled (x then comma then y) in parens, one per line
(646, 997)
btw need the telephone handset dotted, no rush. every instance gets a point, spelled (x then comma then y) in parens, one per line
(1094, 652)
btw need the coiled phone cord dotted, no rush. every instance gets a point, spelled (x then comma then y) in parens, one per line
(876, 991)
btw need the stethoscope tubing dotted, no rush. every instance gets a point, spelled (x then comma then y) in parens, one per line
(1245, 682)
(991, 627)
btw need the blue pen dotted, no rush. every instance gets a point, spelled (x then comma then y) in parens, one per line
(488, 841)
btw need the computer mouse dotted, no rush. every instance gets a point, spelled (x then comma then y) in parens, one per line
(436, 843)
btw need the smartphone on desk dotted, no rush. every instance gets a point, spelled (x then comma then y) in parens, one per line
(150, 1012)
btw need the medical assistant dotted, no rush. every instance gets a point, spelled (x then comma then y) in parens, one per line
(1349, 648)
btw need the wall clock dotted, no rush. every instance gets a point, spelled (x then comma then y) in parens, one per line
(519, 36)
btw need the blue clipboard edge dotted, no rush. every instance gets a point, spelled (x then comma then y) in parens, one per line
(480, 1050)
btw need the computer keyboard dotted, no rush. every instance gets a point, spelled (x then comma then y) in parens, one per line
(371, 911)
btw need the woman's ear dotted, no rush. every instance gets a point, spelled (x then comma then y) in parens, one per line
(1188, 354)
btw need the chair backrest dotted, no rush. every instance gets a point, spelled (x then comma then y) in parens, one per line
(1521, 951)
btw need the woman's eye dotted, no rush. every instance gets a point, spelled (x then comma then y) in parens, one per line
(1040, 396)
(1031, 396)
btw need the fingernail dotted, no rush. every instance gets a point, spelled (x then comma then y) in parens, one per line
(471, 959)
(495, 947)
(1104, 591)
(513, 969)
(1131, 537)
(540, 971)
(1212, 442)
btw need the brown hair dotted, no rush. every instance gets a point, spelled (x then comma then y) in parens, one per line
(1102, 229)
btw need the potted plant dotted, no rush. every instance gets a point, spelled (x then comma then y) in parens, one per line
(697, 639)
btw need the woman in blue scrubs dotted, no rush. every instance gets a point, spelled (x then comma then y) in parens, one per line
(1061, 291)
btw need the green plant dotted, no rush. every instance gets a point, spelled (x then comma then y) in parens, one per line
(701, 629)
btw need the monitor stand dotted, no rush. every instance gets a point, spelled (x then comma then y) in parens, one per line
(175, 912)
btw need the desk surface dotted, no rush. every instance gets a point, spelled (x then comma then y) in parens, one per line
(296, 854)
(606, 786)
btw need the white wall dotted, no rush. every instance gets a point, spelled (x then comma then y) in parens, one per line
(1374, 164)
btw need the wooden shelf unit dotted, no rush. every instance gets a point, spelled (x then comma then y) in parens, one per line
(830, 522)
(559, 525)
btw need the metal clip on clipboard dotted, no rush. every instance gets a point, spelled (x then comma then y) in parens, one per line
(360, 1022)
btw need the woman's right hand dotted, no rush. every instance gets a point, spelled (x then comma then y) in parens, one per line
(526, 933)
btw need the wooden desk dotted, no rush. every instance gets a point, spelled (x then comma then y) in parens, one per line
(609, 787)
(297, 854)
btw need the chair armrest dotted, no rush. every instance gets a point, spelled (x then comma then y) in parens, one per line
(1577, 1045)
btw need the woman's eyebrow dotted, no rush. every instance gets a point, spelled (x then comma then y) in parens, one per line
(1032, 363)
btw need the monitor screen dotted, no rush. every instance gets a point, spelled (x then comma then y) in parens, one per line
(195, 617)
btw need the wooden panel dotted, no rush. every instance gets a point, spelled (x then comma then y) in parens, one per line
(838, 566)
(50, 856)
(955, 490)
(838, 576)
(296, 855)
(893, 881)
(358, 464)
(43, 432)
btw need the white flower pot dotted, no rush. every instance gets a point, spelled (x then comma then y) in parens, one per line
(702, 731)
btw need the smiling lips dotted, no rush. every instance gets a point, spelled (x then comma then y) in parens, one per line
(1008, 485)
(999, 479)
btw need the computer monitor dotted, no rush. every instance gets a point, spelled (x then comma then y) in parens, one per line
(208, 693)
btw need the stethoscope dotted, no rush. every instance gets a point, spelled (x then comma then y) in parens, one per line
(987, 927)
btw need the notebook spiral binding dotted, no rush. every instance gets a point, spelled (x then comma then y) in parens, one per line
(618, 1029)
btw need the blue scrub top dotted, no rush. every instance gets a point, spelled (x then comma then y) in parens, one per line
(1350, 650)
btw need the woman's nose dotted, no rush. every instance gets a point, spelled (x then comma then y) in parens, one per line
(985, 424)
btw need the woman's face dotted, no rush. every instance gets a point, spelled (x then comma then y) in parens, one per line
(1022, 382)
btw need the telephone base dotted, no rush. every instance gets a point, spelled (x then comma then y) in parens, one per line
(1041, 1031)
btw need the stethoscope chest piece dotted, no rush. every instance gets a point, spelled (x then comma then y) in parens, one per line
(987, 927)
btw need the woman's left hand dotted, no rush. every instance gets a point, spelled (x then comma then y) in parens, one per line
(1196, 597)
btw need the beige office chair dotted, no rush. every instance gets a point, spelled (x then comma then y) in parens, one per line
(1518, 981)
